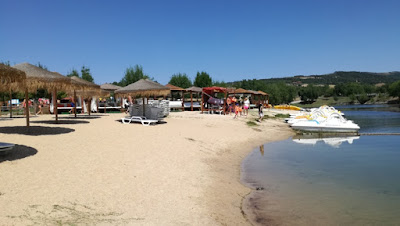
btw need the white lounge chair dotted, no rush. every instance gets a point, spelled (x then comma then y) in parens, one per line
(141, 119)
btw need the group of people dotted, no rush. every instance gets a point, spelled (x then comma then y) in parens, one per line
(39, 105)
(242, 109)
(237, 106)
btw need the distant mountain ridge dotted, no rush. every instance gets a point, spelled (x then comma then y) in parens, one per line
(339, 77)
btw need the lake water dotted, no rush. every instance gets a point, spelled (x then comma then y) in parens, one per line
(330, 181)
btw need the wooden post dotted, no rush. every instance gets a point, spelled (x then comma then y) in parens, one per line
(82, 105)
(10, 103)
(191, 100)
(225, 95)
(105, 104)
(27, 107)
(183, 100)
(143, 106)
(75, 102)
(202, 102)
(55, 104)
(89, 105)
(97, 106)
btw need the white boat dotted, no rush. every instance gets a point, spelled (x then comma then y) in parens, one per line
(5, 148)
(335, 123)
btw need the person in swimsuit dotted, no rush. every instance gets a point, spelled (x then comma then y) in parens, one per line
(260, 112)
(246, 106)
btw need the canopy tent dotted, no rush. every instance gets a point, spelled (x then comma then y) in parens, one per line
(192, 90)
(209, 91)
(13, 79)
(177, 89)
(143, 88)
(39, 78)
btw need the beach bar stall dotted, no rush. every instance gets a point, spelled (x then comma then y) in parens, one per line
(209, 101)
(264, 98)
(13, 79)
(84, 89)
(39, 78)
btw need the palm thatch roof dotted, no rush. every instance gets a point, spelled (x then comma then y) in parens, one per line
(194, 89)
(174, 88)
(110, 87)
(38, 78)
(242, 91)
(84, 88)
(262, 93)
(144, 87)
(11, 78)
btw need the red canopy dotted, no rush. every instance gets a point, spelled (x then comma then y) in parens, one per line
(214, 89)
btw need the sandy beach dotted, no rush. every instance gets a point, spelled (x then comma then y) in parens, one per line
(97, 171)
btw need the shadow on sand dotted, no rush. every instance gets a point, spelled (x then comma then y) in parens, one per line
(80, 117)
(61, 122)
(18, 152)
(35, 130)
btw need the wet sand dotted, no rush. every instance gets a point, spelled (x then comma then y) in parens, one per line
(96, 170)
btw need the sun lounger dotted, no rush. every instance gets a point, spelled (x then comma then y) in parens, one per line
(5, 148)
(141, 119)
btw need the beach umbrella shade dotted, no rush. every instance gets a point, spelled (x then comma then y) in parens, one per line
(109, 87)
(39, 78)
(12, 79)
(83, 88)
(192, 90)
(144, 88)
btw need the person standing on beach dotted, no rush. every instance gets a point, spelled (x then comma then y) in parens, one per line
(40, 108)
(246, 106)
(260, 112)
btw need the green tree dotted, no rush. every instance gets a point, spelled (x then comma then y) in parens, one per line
(220, 83)
(133, 74)
(5, 63)
(86, 74)
(202, 79)
(73, 73)
(394, 89)
(180, 80)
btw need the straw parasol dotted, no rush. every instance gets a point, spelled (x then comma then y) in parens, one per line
(10, 76)
(242, 91)
(12, 79)
(39, 78)
(110, 87)
(192, 90)
(144, 88)
(174, 88)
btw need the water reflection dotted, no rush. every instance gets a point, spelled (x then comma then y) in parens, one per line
(262, 150)
(333, 141)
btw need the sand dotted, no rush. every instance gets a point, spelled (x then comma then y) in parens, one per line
(97, 171)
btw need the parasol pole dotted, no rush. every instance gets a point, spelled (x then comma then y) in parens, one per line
(55, 104)
(10, 103)
(75, 102)
(143, 106)
(27, 107)
(191, 100)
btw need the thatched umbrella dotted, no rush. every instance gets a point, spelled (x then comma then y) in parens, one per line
(39, 78)
(191, 90)
(110, 87)
(83, 88)
(177, 89)
(144, 88)
(107, 89)
(12, 79)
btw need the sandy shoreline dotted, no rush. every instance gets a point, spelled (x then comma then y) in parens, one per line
(100, 171)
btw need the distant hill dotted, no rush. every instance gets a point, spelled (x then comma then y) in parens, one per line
(339, 77)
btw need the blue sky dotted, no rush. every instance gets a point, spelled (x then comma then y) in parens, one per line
(230, 40)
